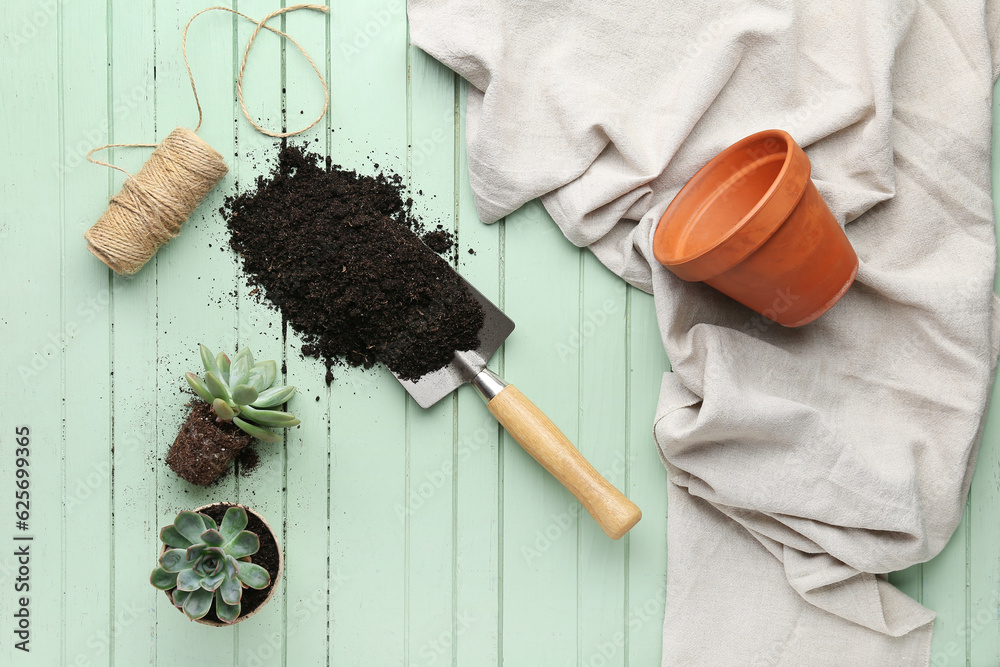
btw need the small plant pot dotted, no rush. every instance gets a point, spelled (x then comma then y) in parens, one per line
(752, 225)
(205, 448)
(268, 556)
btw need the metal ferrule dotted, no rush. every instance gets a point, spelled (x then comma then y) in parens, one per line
(488, 384)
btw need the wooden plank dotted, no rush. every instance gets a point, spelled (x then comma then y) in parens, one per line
(451, 581)
(34, 329)
(368, 456)
(309, 580)
(944, 591)
(479, 525)
(195, 284)
(647, 542)
(600, 337)
(260, 641)
(910, 581)
(428, 516)
(87, 491)
(133, 345)
(982, 623)
(540, 542)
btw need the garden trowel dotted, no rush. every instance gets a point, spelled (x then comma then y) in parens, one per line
(529, 426)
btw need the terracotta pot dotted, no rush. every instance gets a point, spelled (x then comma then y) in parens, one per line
(752, 225)
(275, 576)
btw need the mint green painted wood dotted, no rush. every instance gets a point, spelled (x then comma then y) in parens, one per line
(194, 284)
(981, 625)
(87, 464)
(479, 447)
(982, 617)
(133, 344)
(600, 335)
(310, 576)
(411, 537)
(910, 581)
(36, 349)
(259, 327)
(430, 441)
(646, 572)
(368, 409)
(944, 591)
(541, 534)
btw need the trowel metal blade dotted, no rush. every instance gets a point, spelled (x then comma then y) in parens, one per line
(465, 365)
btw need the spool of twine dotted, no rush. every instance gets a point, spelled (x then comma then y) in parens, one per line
(152, 205)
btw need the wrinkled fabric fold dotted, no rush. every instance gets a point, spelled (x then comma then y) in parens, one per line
(805, 464)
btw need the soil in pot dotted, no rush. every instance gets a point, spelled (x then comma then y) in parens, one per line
(205, 448)
(268, 557)
(339, 255)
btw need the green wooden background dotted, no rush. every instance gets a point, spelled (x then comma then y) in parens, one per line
(411, 537)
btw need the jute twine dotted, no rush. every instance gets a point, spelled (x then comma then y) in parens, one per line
(152, 206)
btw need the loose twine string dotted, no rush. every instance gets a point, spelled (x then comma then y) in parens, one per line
(152, 206)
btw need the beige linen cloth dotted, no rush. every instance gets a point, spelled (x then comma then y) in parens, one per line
(805, 463)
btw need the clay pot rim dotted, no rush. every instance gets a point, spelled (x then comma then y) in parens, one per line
(779, 200)
(274, 584)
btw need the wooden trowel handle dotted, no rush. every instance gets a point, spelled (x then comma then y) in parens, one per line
(536, 433)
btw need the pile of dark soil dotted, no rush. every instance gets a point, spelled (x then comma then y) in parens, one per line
(338, 254)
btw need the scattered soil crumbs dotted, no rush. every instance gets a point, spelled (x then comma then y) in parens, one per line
(440, 241)
(247, 461)
(339, 255)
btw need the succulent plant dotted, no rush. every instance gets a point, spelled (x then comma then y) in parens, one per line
(241, 392)
(208, 562)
